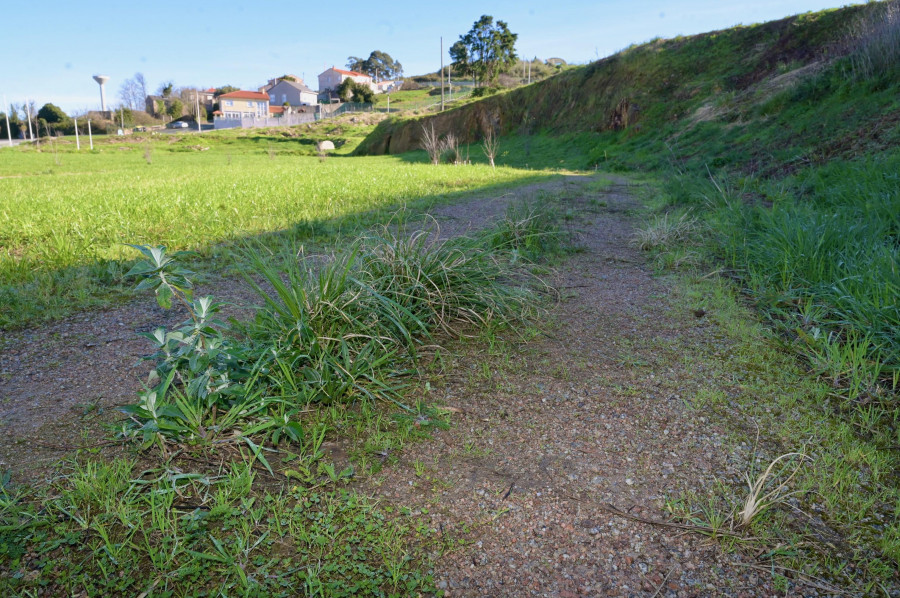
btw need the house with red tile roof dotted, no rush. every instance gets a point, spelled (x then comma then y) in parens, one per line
(331, 78)
(244, 104)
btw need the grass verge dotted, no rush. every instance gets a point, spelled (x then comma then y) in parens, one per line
(828, 515)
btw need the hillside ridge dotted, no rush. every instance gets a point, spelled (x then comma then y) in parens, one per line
(645, 89)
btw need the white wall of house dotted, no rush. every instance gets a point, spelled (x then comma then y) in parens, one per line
(331, 78)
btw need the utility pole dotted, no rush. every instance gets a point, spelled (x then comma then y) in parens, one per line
(442, 73)
(6, 114)
(28, 115)
(449, 82)
(197, 98)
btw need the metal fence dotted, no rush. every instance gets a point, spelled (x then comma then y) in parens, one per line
(325, 111)
(285, 120)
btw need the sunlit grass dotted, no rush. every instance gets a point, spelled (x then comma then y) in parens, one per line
(63, 227)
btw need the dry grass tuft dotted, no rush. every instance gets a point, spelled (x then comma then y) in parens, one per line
(757, 502)
(665, 233)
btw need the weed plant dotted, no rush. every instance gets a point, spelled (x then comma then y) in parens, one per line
(527, 230)
(344, 331)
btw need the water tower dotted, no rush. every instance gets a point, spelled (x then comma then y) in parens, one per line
(102, 79)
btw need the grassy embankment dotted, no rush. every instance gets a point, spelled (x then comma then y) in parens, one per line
(773, 150)
(67, 215)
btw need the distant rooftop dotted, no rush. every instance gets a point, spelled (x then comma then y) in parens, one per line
(245, 95)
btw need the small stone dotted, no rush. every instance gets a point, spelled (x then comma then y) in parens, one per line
(629, 481)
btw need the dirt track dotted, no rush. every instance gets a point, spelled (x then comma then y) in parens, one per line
(547, 435)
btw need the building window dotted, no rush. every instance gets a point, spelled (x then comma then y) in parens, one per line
(229, 103)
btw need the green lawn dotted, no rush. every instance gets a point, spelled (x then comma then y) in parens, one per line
(66, 216)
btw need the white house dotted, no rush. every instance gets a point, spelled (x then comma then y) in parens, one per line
(386, 86)
(291, 93)
(330, 79)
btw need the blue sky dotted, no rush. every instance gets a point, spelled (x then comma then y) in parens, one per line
(50, 53)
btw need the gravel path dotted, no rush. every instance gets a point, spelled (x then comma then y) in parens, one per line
(546, 435)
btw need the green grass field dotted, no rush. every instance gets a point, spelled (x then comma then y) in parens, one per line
(66, 216)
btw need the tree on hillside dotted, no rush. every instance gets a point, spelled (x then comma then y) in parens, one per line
(165, 89)
(461, 64)
(14, 124)
(379, 65)
(357, 64)
(130, 94)
(52, 114)
(141, 85)
(485, 50)
(351, 91)
(226, 89)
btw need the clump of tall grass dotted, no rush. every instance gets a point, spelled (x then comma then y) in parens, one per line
(874, 42)
(444, 285)
(392, 289)
(340, 330)
(665, 233)
(838, 249)
(526, 230)
(822, 261)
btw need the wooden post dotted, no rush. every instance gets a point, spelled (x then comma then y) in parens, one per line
(77, 141)
(442, 73)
